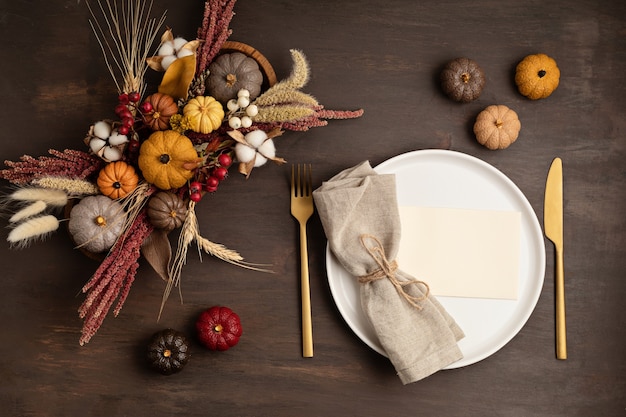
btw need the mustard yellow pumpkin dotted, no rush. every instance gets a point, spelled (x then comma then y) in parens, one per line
(167, 159)
(205, 114)
(537, 76)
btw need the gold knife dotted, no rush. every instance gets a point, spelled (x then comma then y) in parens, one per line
(553, 224)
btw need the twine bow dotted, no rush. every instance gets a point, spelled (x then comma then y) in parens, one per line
(388, 270)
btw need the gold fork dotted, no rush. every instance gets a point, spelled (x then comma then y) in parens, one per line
(302, 209)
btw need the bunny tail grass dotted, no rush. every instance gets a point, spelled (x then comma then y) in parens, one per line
(29, 211)
(32, 229)
(51, 197)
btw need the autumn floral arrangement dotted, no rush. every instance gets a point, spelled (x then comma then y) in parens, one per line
(141, 172)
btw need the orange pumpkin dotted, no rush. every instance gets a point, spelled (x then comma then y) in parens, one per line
(163, 107)
(117, 179)
(537, 76)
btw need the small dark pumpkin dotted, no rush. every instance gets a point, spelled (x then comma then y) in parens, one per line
(462, 80)
(166, 211)
(168, 351)
(229, 73)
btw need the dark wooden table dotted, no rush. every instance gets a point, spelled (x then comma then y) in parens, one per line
(384, 57)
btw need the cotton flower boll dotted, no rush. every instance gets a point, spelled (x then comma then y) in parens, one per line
(112, 154)
(256, 138)
(178, 43)
(267, 149)
(166, 49)
(184, 52)
(167, 61)
(260, 160)
(102, 130)
(244, 153)
(117, 139)
(96, 144)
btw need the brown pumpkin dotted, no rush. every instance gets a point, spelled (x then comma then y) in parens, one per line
(163, 107)
(462, 80)
(497, 127)
(232, 72)
(166, 211)
(117, 179)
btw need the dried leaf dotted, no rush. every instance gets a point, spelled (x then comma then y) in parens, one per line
(157, 251)
(178, 77)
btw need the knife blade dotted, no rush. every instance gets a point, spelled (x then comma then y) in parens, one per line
(553, 225)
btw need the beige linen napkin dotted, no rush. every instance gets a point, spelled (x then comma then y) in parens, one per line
(359, 212)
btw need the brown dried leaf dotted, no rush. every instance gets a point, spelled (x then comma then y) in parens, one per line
(157, 251)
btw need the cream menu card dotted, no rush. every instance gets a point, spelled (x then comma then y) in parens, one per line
(461, 252)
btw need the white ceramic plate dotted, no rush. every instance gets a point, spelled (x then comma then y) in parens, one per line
(439, 178)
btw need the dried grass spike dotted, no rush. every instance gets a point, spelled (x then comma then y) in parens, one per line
(51, 197)
(32, 229)
(29, 211)
(74, 187)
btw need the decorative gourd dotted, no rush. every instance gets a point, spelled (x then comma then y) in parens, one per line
(497, 127)
(167, 159)
(537, 76)
(219, 328)
(166, 211)
(205, 114)
(462, 80)
(96, 222)
(117, 179)
(229, 73)
(163, 107)
(168, 351)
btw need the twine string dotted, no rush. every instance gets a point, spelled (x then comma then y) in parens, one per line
(388, 270)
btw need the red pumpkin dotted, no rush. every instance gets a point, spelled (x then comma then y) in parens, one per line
(219, 328)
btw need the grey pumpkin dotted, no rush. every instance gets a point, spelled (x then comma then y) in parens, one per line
(462, 80)
(229, 73)
(166, 211)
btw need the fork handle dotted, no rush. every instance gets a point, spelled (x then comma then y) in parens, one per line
(305, 293)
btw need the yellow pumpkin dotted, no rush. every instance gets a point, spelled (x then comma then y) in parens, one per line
(167, 159)
(117, 179)
(205, 114)
(537, 76)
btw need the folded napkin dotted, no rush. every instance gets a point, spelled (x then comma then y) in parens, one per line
(359, 212)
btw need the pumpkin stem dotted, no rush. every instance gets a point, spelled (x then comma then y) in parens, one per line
(164, 159)
(231, 79)
(499, 123)
(100, 221)
(218, 328)
(465, 77)
(541, 73)
(167, 353)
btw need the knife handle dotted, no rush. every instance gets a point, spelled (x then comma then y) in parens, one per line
(561, 335)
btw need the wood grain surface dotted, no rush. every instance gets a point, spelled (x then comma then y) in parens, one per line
(384, 57)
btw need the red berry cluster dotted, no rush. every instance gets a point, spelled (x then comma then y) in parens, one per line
(217, 174)
(126, 109)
